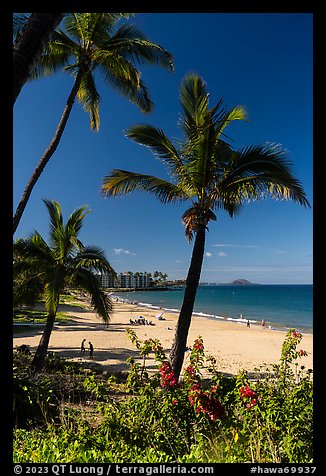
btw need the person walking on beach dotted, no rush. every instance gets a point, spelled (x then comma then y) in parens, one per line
(91, 350)
(82, 346)
(262, 323)
(248, 323)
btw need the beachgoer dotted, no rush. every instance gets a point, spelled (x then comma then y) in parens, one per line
(248, 323)
(91, 350)
(262, 323)
(82, 346)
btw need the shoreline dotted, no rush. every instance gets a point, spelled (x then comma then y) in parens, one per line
(214, 317)
(234, 346)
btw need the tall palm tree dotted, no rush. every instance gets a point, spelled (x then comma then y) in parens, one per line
(29, 43)
(93, 42)
(42, 269)
(206, 171)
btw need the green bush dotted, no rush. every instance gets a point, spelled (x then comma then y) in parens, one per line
(33, 400)
(267, 419)
(37, 395)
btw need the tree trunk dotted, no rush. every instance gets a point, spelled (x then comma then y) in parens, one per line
(40, 354)
(48, 153)
(29, 45)
(184, 320)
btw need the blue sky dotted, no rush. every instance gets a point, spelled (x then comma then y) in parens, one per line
(260, 60)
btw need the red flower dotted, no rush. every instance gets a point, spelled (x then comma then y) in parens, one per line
(247, 393)
(198, 345)
(168, 377)
(190, 370)
(297, 334)
(206, 402)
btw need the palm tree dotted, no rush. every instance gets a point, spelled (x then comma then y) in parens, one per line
(29, 43)
(45, 269)
(206, 171)
(92, 42)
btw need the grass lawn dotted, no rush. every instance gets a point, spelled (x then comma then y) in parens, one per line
(39, 317)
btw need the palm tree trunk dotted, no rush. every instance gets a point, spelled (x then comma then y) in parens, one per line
(40, 354)
(29, 45)
(49, 151)
(184, 320)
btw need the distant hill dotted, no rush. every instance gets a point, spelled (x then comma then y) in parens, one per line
(236, 282)
(242, 282)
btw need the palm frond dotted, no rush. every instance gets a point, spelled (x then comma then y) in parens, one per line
(73, 23)
(76, 218)
(56, 220)
(121, 182)
(194, 103)
(164, 150)
(19, 21)
(91, 26)
(229, 202)
(115, 66)
(89, 97)
(157, 141)
(93, 258)
(260, 171)
(124, 77)
(222, 118)
(67, 242)
(131, 43)
(32, 248)
(28, 284)
(55, 55)
(101, 302)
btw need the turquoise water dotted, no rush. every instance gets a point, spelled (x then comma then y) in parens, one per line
(281, 306)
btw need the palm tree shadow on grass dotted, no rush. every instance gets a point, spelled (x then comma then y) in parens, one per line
(62, 307)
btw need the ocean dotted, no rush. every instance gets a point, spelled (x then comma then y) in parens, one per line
(281, 306)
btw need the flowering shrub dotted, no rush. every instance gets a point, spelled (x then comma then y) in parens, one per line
(248, 396)
(265, 417)
(206, 402)
(289, 349)
(203, 402)
(168, 378)
(270, 416)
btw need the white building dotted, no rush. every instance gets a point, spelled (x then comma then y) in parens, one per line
(134, 280)
(125, 280)
(107, 280)
(141, 281)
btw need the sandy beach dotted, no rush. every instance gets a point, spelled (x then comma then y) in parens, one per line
(234, 346)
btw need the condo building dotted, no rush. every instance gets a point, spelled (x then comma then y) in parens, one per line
(125, 280)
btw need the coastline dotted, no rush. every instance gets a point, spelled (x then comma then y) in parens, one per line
(150, 303)
(234, 346)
